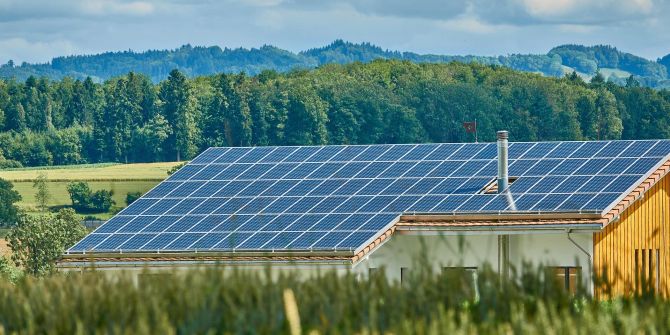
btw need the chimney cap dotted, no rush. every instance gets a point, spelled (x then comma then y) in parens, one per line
(502, 134)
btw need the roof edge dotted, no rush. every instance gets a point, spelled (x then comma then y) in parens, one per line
(498, 216)
(636, 193)
(222, 254)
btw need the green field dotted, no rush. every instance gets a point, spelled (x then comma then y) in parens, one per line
(120, 178)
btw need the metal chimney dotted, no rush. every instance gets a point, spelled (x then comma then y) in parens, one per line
(502, 161)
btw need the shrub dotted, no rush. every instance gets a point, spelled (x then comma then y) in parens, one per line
(10, 164)
(101, 201)
(9, 271)
(176, 168)
(132, 196)
(85, 200)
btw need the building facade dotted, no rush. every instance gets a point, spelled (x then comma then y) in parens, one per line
(586, 209)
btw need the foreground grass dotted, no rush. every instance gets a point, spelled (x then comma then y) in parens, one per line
(221, 301)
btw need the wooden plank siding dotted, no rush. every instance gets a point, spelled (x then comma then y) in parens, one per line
(625, 252)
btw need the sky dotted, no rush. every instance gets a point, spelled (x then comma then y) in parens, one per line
(38, 30)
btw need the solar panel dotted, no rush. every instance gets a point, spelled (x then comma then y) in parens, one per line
(339, 197)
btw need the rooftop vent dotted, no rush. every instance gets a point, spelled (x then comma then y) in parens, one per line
(503, 178)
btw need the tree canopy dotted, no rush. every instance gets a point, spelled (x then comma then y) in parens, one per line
(9, 213)
(130, 119)
(201, 61)
(37, 242)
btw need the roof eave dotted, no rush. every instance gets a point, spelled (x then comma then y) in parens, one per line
(636, 192)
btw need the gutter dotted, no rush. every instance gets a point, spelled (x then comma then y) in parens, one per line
(232, 254)
(495, 228)
(509, 216)
(191, 263)
(588, 256)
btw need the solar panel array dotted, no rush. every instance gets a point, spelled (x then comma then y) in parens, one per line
(341, 197)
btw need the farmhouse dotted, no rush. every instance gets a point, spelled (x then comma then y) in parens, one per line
(581, 207)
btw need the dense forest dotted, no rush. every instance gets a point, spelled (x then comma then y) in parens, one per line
(613, 64)
(130, 119)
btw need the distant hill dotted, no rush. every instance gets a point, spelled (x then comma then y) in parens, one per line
(194, 61)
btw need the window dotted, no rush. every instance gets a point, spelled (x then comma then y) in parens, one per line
(567, 276)
(373, 272)
(647, 269)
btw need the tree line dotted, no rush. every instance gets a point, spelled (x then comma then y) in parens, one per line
(130, 119)
(199, 61)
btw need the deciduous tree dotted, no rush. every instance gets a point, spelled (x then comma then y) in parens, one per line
(42, 194)
(37, 242)
(9, 213)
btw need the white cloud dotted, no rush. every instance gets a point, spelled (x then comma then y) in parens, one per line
(18, 10)
(470, 24)
(32, 30)
(102, 7)
(593, 12)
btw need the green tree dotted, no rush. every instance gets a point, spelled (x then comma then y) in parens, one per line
(16, 118)
(608, 121)
(141, 92)
(80, 194)
(37, 104)
(62, 93)
(597, 80)
(42, 194)
(632, 82)
(180, 112)
(121, 114)
(148, 140)
(229, 117)
(37, 242)
(307, 117)
(66, 145)
(402, 126)
(9, 213)
(91, 99)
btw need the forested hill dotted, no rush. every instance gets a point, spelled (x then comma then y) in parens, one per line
(131, 119)
(613, 64)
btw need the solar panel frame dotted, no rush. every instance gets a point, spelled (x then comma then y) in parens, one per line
(399, 178)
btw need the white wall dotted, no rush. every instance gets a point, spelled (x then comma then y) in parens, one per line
(442, 249)
(476, 249)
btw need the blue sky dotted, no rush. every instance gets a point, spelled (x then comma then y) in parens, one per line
(36, 31)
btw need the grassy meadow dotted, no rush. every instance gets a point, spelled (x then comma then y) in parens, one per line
(120, 178)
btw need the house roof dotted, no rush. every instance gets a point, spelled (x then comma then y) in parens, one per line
(346, 198)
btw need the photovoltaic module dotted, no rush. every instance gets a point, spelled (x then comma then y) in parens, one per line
(311, 198)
